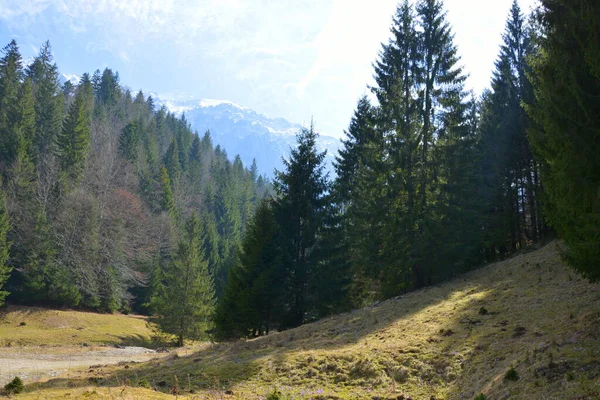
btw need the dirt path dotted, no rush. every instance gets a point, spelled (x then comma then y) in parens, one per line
(38, 363)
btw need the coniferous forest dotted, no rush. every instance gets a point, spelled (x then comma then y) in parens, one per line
(111, 203)
(106, 198)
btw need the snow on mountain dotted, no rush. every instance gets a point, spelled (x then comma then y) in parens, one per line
(74, 79)
(240, 130)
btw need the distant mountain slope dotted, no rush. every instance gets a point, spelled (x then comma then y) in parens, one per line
(451, 341)
(240, 130)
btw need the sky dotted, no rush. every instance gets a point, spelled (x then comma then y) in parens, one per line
(296, 59)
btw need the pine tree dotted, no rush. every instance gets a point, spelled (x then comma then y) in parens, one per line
(566, 77)
(299, 207)
(5, 267)
(183, 305)
(73, 143)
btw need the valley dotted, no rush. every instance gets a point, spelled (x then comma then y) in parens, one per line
(451, 341)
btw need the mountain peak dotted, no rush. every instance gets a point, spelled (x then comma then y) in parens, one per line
(215, 103)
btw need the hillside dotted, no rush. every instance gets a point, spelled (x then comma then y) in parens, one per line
(451, 341)
(31, 326)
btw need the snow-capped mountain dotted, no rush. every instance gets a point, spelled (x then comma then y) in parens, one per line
(74, 79)
(240, 130)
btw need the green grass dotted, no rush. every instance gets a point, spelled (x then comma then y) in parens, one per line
(539, 320)
(31, 326)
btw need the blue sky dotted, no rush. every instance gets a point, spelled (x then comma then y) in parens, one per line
(295, 59)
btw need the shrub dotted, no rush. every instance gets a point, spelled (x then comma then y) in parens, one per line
(144, 383)
(481, 396)
(275, 395)
(15, 386)
(511, 375)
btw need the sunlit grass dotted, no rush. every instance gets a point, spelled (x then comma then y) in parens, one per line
(452, 341)
(30, 326)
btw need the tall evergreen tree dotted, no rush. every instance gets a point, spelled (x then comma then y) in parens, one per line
(250, 303)
(184, 303)
(566, 77)
(167, 200)
(48, 100)
(299, 208)
(73, 143)
(11, 73)
(509, 174)
(130, 139)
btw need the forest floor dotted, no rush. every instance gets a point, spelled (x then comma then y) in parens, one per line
(530, 315)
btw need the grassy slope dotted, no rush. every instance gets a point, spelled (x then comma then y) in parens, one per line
(435, 343)
(59, 328)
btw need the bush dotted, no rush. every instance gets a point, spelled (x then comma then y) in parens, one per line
(511, 375)
(275, 395)
(15, 386)
(481, 396)
(144, 383)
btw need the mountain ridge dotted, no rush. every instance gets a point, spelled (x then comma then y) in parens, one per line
(241, 130)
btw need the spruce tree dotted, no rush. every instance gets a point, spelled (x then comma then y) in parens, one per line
(250, 303)
(11, 73)
(167, 202)
(299, 209)
(509, 174)
(130, 139)
(360, 190)
(566, 134)
(172, 162)
(48, 101)
(184, 303)
(73, 143)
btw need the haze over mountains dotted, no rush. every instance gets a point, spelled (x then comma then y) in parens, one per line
(240, 130)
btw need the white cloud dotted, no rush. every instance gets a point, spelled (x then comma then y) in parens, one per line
(295, 58)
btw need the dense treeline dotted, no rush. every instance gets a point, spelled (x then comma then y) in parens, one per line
(107, 203)
(98, 187)
(432, 182)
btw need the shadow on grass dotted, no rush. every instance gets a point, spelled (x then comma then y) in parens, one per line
(221, 366)
(137, 341)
